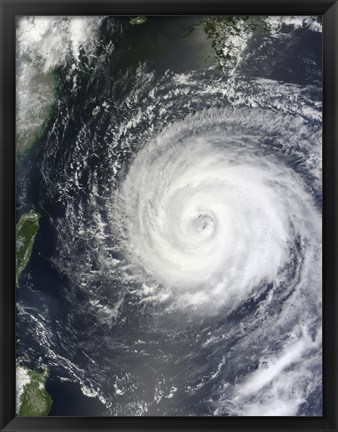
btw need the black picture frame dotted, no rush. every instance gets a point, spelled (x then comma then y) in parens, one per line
(9, 9)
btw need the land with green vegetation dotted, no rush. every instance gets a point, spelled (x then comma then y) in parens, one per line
(26, 230)
(138, 20)
(32, 120)
(34, 400)
(225, 33)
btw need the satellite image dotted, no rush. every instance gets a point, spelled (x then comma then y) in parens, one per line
(169, 216)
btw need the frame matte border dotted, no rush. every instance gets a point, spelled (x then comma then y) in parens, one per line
(8, 11)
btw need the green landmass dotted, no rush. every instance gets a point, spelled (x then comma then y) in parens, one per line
(219, 29)
(35, 401)
(26, 230)
(31, 129)
(138, 20)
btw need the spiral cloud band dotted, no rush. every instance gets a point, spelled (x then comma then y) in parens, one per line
(212, 211)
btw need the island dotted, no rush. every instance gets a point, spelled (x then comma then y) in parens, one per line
(32, 398)
(26, 230)
(138, 20)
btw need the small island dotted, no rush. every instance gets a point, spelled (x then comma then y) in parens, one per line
(138, 20)
(26, 230)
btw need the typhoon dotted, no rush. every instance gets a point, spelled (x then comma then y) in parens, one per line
(212, 216)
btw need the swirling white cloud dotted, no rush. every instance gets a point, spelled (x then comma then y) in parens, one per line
(209, 215)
